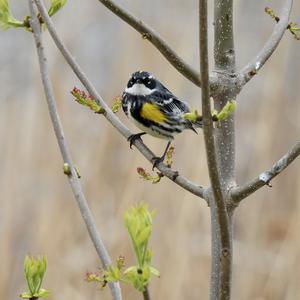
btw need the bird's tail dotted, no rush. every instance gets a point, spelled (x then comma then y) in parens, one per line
(198, 122)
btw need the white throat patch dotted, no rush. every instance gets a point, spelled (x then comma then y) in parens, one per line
(139, 89)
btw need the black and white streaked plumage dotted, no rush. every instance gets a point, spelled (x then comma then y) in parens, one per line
(154, 109)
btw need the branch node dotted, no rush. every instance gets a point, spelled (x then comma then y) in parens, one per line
(146, 36)
(265, 177)
(175, 175)
(225, 252)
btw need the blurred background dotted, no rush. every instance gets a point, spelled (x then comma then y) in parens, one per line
(38, 214)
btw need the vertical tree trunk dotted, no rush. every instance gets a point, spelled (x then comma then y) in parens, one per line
(221, 269)
(224, 57)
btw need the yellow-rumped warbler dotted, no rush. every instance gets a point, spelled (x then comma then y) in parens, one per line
(154, 109)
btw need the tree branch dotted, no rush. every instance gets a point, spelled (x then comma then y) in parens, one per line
(65, 152)
(240, 193)
(109, 115)
(146, 294)
(148, 33)
(221, 248)
(279, 29)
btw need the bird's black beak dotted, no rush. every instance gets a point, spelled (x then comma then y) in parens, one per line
(138, 81)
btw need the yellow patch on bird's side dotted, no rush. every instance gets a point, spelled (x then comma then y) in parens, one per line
(152, 112)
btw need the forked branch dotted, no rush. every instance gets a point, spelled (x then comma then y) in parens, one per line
(65, 152)
(148, 33)
(110, 116)
(240, 193)
(265, 53)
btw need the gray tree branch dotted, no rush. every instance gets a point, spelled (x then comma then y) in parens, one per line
(265, 53)
(241, 192)
(221, 242)
(65, 152)
(148, 33)
(110, 116)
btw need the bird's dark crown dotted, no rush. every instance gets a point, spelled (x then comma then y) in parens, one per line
(142, 77)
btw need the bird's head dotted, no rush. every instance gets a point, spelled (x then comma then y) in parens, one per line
(141, 83)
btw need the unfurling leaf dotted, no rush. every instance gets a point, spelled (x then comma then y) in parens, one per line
(227, 110)
(117, 105)
(34, 270)
(82, 98)
(6, 18)
(56, 5)
(169, 156)
(87, 100)
(192, 116)
(155, 178)
(138, 221)
(147, 176)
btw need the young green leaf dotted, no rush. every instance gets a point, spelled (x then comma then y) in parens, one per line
(138, 221)
(154, 272)
(6, 18)
(143, 236)
(56, 5)
(227, 110)
(192, 116)
(34, 270)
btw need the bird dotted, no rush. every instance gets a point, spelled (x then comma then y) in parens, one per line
(155, 110)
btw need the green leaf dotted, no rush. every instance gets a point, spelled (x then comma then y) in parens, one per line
(114, 273)
(148, 256)
(6, 18)
(154, 272)
(130, 270)
(26, 295)
(228, 109)
(34, 270)
(147, 176)
(56, 5)
(43, 293)
(116, 105)
(130, 274)
(192, 116)
(87, 100)
(146, 274)
(134, 276)
(143, 236)
(138, 221)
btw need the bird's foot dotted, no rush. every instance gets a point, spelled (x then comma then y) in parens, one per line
(157, 160)
(131, 139)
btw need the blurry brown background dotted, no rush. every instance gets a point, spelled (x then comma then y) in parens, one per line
(38, 214)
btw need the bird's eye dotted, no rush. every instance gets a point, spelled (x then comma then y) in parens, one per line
(150, 84)
(130, 83)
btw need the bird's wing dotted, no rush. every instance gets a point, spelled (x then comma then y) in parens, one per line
(168, 103)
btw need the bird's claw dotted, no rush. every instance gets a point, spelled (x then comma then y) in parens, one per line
(132, 138)
(156, 160)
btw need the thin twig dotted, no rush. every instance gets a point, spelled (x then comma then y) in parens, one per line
(240, 193)
(110, 116)
(265, 53)
(148, 33)
(65, 152)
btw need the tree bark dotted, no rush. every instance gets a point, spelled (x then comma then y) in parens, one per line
(224, 58)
